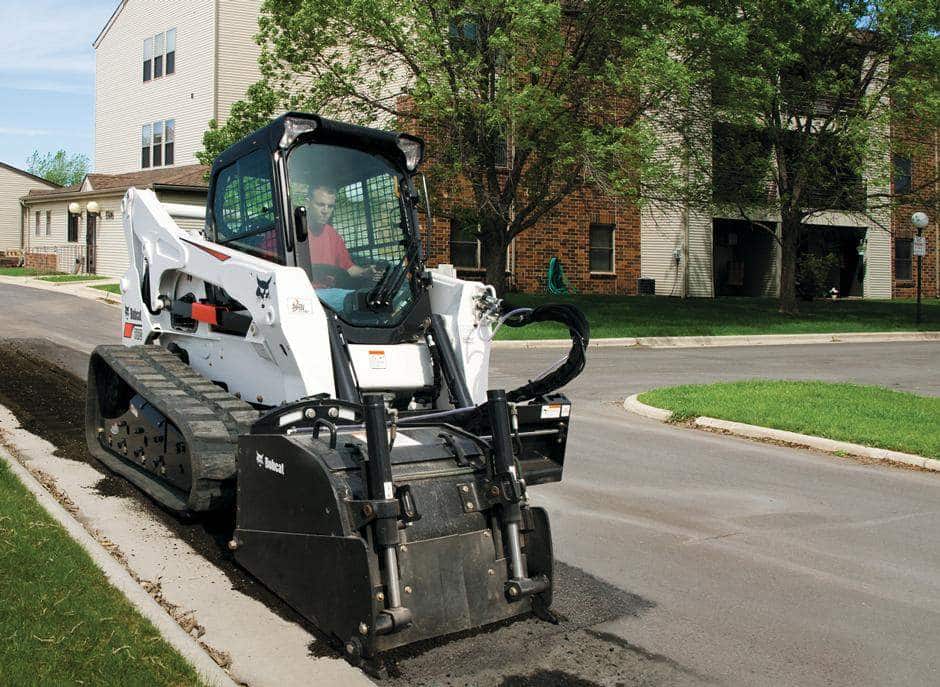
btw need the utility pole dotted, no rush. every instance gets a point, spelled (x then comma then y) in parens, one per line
(919, 220)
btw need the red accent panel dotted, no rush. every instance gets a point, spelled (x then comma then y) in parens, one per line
(205, 313)
(128, 330)
(218, 255)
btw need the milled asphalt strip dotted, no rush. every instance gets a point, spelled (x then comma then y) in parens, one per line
(634, 405)
(174, 635)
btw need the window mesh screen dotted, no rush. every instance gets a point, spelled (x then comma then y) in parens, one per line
(368, 217)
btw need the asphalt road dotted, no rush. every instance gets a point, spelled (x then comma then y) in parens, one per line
(745, 563)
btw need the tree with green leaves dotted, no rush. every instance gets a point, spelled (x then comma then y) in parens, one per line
(807, 99)
(521, 102)
(59, 167)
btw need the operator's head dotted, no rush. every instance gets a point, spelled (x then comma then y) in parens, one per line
(322, 202)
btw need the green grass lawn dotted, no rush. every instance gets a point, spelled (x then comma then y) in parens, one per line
(61, 622)
(869, 415)
(62, 278)
(636, 316)
(110, 288)
(19, 272)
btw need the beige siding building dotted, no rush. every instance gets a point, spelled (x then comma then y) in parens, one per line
(14, 184)
(82, 226)
(163, 70)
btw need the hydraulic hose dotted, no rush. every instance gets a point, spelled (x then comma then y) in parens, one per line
(580, 332)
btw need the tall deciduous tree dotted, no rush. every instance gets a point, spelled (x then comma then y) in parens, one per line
(59, 167)
(807, 98)
(522, 101)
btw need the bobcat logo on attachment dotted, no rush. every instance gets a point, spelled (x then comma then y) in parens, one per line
(264, 289)
(268, 463)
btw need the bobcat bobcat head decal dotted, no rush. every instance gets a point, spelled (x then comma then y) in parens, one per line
(264, 289)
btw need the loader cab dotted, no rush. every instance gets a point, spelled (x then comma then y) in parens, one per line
(337, 201)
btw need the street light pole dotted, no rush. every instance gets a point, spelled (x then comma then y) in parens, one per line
(919, 220)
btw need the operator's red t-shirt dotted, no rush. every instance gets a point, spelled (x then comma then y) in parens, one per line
(328, 248)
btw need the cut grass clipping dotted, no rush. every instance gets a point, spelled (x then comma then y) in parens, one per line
(636, 316)
(867, 415)
(61, 622)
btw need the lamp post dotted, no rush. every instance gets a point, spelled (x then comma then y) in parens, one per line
(919, 220)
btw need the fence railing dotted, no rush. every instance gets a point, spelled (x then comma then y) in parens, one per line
(71, 258)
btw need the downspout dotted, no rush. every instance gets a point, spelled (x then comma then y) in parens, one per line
(215, 66)
(24, 234)
(685, 253)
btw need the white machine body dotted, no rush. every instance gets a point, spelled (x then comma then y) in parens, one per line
(286, 353)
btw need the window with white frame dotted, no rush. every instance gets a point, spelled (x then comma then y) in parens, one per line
(37, 226)
(48, 222)
(601, 248)
(160, 55)
(157, 143)
(72, 233)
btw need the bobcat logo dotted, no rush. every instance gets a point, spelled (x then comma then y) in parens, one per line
(264, 289)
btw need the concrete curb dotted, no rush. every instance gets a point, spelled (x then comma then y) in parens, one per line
(731, 340)
(633, 404)
(806, 440)
(174, 635)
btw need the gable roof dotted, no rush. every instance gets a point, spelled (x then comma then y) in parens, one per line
(188, 177)
(108, 24)
(23, 172)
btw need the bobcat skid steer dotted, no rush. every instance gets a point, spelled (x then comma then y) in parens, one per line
(298, 361)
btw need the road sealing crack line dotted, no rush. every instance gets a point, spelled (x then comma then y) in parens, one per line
(185, 619)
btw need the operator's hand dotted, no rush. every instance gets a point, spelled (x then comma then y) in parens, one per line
(370, 272)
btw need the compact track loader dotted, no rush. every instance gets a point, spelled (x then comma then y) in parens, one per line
(298, 361)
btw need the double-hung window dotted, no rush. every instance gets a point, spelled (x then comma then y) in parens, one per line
(48, 222)
(464, 245)
(601, 248)
(902, 259)
(37, 226)
(160, 55)
(902, 176)
(148, 59)
(157, 141)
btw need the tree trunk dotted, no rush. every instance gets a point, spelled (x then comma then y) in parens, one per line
(494, 260)
(790, 227)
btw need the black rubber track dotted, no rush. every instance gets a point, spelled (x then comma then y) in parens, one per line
(209, 418)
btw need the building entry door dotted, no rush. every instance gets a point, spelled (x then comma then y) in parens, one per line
(91, 242)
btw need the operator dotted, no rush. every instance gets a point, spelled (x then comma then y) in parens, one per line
(327, 247)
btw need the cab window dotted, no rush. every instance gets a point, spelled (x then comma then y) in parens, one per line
(244, 210)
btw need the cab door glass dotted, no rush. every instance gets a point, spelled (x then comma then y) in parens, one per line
(244, 211)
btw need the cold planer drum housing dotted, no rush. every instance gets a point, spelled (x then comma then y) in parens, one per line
(386, 531)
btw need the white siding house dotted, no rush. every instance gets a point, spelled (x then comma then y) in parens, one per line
(14, 184)
(213, 61)
(106, 252)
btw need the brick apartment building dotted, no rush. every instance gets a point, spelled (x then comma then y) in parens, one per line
(912, 173)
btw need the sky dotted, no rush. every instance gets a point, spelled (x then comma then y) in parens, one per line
(47, 76)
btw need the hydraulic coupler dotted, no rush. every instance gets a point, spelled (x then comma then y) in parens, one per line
(511, 495)
(385, 526)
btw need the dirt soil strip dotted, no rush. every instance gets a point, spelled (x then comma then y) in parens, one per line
(187, 567)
